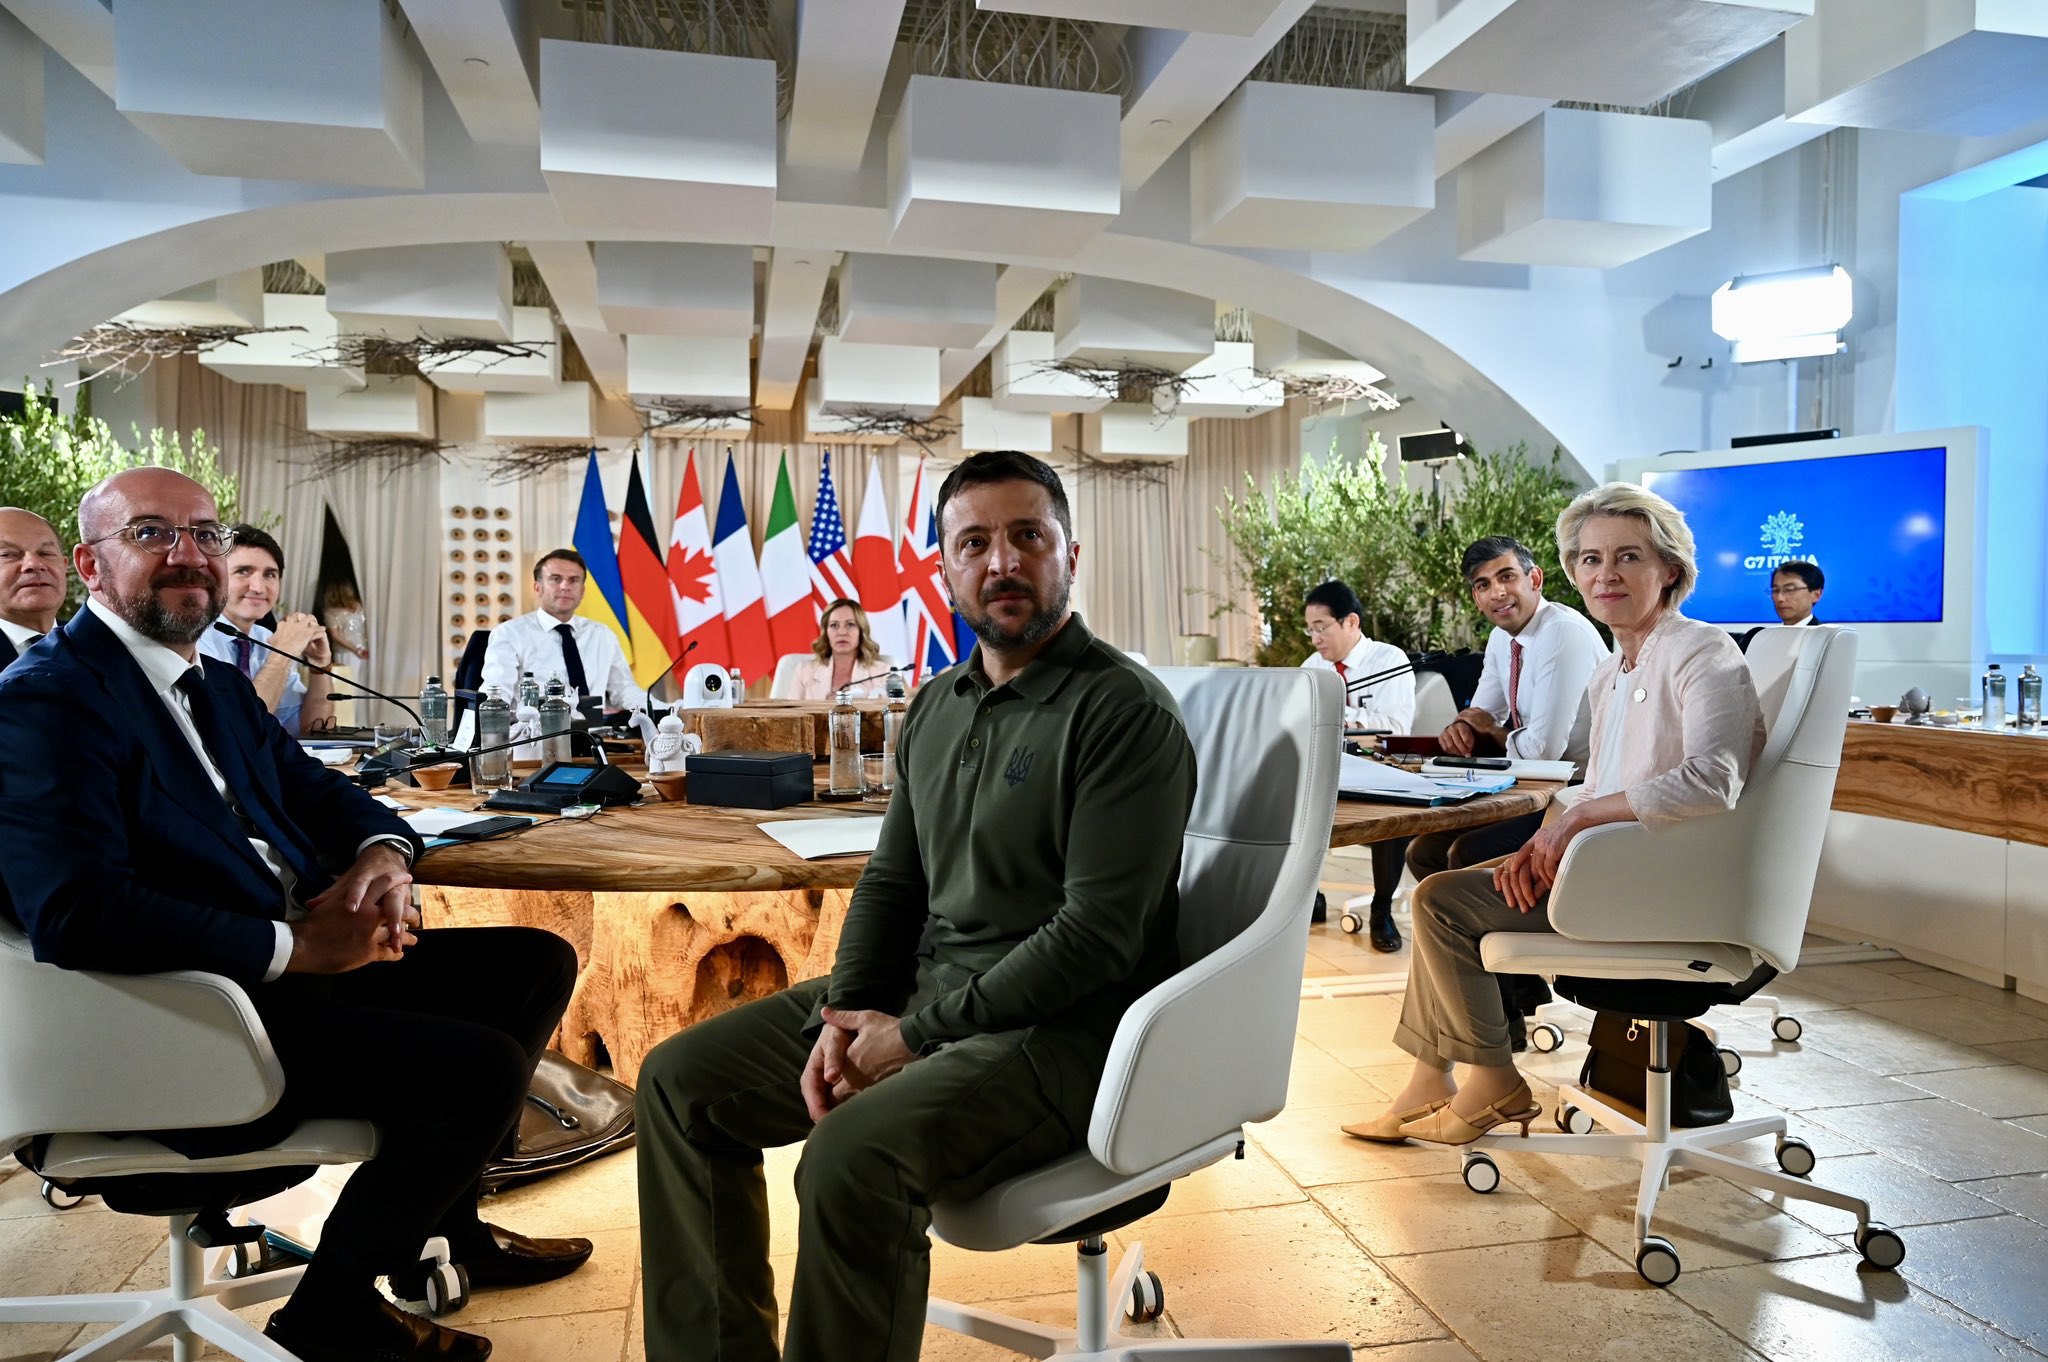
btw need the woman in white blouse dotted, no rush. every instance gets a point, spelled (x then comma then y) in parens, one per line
(844, 654)
(1676, 729)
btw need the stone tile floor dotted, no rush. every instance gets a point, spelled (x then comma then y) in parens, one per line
(1924, 1092)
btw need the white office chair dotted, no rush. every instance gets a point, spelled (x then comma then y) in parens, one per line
(783, 687)
(1434, 707)
(1207, 1050)
(1661, 925)
(96, 1053)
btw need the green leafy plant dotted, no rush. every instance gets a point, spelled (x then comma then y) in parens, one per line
(1393, 545)
(49, 461)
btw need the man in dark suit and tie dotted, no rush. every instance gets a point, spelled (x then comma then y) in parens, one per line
(31, 581)
(1795, 591)
(154, 817)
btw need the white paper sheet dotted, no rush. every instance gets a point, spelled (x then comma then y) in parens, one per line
(1520, 770)
(1360, 775)
(811, 838)
(331, 756)
(434, 822)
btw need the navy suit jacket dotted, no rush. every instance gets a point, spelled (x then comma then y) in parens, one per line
(117, 853)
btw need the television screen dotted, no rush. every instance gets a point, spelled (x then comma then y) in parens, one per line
(1874, 523)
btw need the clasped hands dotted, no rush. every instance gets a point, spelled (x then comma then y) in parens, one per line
(1523, 878)
(854, 1051)
(364, 917)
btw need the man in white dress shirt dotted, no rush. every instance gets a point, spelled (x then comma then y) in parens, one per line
(32, 578)
(1539, 658)
(1332, 615)
(556, 641)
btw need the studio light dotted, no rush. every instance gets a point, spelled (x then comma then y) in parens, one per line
(1791, 315)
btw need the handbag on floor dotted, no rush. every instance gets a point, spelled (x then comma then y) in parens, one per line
(572, 1115)
(1618, 1063)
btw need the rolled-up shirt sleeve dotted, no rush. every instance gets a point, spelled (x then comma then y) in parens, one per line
(1723, 735)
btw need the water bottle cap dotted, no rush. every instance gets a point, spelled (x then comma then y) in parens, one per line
(433, 680)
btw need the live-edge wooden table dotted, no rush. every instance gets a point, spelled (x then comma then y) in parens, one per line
(681, 911)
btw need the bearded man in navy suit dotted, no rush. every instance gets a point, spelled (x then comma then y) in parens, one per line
(154, 817)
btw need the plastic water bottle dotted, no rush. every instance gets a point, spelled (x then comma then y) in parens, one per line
(892, 727)
(845, 724)
(554, 722)
(529, 692)
(492, 770)
(1994, 698)
(2030, 697)
(434, 712)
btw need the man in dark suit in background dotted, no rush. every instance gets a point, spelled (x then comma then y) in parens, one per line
(31, 581)
(154, 817)
(1795, 591)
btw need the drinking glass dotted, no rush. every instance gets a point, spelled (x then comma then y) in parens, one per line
(874, 777)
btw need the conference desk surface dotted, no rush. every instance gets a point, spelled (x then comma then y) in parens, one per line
(662, 847)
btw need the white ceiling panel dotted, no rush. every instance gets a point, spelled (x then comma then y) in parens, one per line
(1964, 68)
(659, 288)
(459, 289)
(234, 300)
(296, 355)
(1236, 17)
(914, 300)
(482, 65)
(21, 94)
(490, 372)
(1625, 52)
(389, 404)
(1108, 321)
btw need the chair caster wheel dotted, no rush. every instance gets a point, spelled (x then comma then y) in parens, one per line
(1657, 1261)
(57, 1199)
(1148, 1298)
(447, 1289)
(1731, 1061)
(1573, 1121)
(1880, 1246)
(1546, 1038)
(1795, 1156)
(1352, 923)
(1482, 1174)
(1787, 1028)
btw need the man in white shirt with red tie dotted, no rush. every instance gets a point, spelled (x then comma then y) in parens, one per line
(1539, 659)
(556, 641)
(1372, 700)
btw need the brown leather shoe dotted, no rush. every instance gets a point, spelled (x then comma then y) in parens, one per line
(384, 1333)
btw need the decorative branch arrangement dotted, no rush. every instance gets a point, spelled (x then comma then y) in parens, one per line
(129, 348)
(414, 356)
(1125, 380)
(922, 431)
(1330, 390)
(390, 454)
(692, 418)
(1138, 472)
(515, 463)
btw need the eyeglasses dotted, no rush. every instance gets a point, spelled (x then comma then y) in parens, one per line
(1799, 590)
(160, 536)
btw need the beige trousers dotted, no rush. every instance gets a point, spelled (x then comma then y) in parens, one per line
(1453, 1012)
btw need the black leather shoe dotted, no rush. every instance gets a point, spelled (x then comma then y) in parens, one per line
(1320, 913)
(382, 1334)
(512, 1260)
(1386, 937)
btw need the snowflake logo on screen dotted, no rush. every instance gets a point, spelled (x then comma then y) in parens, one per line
(1782, 532)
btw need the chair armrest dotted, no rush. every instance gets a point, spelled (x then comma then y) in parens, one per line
(1626, 882)
(110, 1052)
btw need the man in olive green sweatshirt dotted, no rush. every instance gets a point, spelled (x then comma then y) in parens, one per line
(1022, 895)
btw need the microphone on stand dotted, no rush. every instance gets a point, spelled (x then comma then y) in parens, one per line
(887, 676)
(233, 632)
(691, 648)
(1418, 663)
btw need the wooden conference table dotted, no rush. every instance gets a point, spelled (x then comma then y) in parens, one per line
(680, 911)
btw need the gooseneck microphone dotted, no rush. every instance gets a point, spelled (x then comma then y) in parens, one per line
(648, 689)
(233, 632)
(1416, 664)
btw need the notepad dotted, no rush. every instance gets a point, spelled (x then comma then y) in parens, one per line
(811, 838)
(1519, 769)
(434, 822)
(1361, 778)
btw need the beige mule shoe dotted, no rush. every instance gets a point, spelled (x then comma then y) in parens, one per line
(1447, 1127)
(1386, 1127)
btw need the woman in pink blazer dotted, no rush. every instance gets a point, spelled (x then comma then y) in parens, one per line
(844, 654)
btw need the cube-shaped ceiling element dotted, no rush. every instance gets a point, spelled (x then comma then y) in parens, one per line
(390, 404)
(566, 413)
(1627, 52)
(854, 378)
(906, 300)
(681, 143)
(269, 91)
(984, 425)
(233, 300)
(1020, 380)
(821, 427)
(493, 372)
(1133, 430)
(299, 357)
(1257, 180)
(1578, 187)
(1108, 322)
(1226, 384)
(693, 370)
(658, 288)
(463, 289)
(1238, 18)
(1002, 169)
(21, 93)
(1960, 68)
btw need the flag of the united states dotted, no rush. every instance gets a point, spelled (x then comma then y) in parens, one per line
(831, 559)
